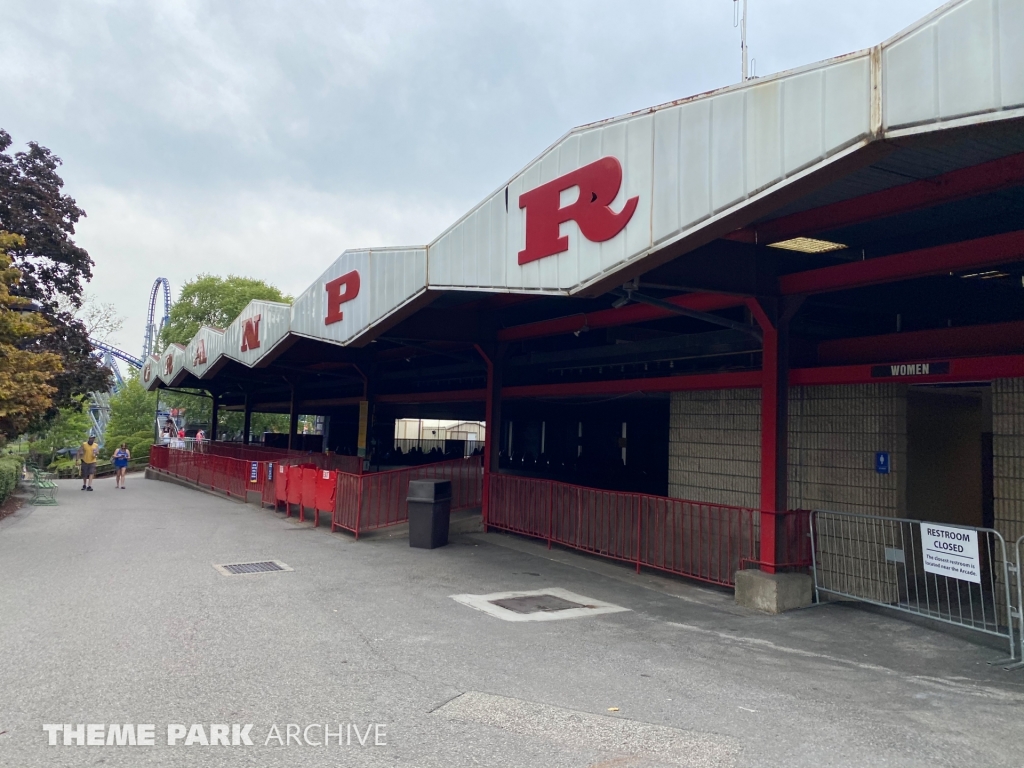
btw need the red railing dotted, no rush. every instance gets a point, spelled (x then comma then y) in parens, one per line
(334, 461)
(234, 476)
(354, 502)
(366, 502)
(709, 542)
(158, 456)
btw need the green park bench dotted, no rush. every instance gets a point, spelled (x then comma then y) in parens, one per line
(44, 489)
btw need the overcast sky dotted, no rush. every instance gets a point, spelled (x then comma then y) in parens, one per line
(264, 138)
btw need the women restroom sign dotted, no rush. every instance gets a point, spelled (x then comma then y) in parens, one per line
(950, 551)
(882, 462)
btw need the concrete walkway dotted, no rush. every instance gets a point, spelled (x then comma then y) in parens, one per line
(111, 612)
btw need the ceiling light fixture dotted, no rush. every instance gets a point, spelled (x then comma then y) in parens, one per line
(807, 245)
(986, 275)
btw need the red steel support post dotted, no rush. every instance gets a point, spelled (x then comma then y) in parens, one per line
(214, 413)
(492, 423)
(773, 317)
(247, 422)
(293, 416)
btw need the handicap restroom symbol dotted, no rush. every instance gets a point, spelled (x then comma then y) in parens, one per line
(882, 462)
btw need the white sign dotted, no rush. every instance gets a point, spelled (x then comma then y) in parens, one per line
(951, 552)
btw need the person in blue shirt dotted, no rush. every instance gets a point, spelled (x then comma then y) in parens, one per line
(121, 457)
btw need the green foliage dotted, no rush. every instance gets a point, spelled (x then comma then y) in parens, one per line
(214, 301)
(198, 411)
(52, 268)
(68, 429)
(132, 419)
(10, 472)
(26, 370)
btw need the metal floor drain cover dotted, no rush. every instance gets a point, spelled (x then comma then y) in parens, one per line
(535, 603)
(244, 569)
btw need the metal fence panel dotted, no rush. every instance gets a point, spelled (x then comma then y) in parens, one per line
(879, 560)
(709, 542)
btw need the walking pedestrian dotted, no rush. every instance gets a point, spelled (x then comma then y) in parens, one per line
(88, 452)
(121, 458)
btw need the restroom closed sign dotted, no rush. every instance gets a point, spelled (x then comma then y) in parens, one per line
(951, 552)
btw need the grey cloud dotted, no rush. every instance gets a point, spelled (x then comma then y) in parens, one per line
(213, 122)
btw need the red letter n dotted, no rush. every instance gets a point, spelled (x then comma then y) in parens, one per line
(339, 291)
(251, 333)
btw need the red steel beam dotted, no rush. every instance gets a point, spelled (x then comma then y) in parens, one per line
(608, 318)
(964, 369)
(452, 396)
(970, 254)
(956, 185)
(966, 341)
(733, 380)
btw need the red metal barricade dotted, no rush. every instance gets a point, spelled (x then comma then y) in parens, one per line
(356, 502)
(269, 493)
(326, 493)
(235, 477)
(281, 484)
(294, 488)
(709, 542)
(158, 457)
(379, 499)
(307, 494)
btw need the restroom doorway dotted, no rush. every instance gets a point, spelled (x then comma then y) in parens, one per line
(949, 455)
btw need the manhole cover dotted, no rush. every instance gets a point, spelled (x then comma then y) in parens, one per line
(534, 603)
(550, 604)
(243, 569)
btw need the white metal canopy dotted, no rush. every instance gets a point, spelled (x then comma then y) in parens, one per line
(687, 172)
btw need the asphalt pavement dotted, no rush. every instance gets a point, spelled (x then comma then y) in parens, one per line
(112, 612)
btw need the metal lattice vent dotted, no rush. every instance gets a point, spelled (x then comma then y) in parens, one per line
(246, 569)
(534, 603)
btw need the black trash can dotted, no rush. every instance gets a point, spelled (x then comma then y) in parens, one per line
(430, 504)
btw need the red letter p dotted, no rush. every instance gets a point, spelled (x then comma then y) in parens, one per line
(339, 291)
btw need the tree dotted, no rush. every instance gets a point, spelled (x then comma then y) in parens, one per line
(214, 301)
(198, 412)
(52, 266)
(101, 320)
(132, 418)
(67, 429)
(27, 370)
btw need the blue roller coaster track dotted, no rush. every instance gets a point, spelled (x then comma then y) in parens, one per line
(149, 344)
(99, 402)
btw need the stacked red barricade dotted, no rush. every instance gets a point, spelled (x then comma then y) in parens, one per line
(309, 488)
(709, 542)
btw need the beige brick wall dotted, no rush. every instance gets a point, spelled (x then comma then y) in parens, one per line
(1008, 457)
(714, 447)
(834, 433)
